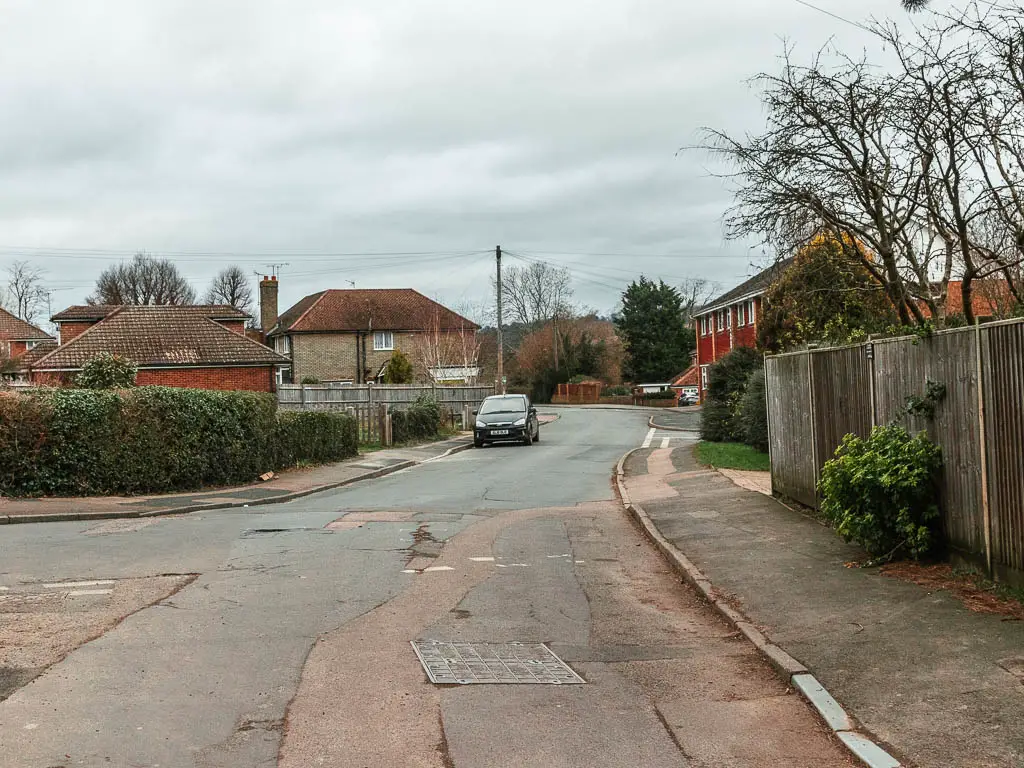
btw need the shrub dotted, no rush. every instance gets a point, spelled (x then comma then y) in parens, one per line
(421, 421)
(399, 369)
(619, 390)
(155, 440)
(882, 492)
(107, 371)
(315, 437)
(752, 419)
(727, 382)
(310, 380)
(667, 394)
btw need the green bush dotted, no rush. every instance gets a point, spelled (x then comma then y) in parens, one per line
(668, 394)
(399, 369)
(619, 390)
(752, 418)
(107, 371)
(720, 419)
(421, 421)
(310, 380)
(882, 492)
(314, 437)
(155, 440)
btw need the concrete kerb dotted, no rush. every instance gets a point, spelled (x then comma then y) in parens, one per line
(652, 425)
(78, 516)
(859, 744)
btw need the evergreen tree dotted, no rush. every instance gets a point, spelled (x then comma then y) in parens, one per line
(657, 340)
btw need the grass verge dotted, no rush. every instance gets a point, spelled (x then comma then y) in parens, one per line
(732, 456)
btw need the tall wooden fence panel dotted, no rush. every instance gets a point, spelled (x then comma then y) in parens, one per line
(310, 397)
(790, 429)
(817, 397)
(1003, 376)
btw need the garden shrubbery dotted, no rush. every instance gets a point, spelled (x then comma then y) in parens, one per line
(883, 493)
(155, 439)
(421, 421)
(730, 414)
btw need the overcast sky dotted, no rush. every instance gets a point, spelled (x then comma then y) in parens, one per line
(251, 132)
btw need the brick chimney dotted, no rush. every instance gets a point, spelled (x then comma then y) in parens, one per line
(268, 302)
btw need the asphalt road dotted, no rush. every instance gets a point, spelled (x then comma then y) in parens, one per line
(291, 646)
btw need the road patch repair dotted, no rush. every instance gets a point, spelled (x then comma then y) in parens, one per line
(44, 622)
(493, 663)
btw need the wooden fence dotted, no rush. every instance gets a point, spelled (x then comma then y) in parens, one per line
(370, 404)
(817, 397)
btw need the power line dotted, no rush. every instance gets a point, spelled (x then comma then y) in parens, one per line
(834, 16)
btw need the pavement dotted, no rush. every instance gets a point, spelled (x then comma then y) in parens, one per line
(936, 684)
(280, 634)
(685, 418)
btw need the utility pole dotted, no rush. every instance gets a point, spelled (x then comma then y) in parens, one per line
(501, 338)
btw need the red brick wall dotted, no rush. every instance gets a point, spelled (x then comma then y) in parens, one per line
(238, 326)
(68, 331)
(18, 348)
(251, 379)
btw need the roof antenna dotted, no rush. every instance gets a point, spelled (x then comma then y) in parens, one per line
(351, 283)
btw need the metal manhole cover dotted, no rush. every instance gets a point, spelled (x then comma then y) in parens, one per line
(483, 663)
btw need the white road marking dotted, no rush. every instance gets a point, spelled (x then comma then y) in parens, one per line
(78, 592)
(482, 559)
(581, 562)
(650, 436)
(72, 584)
(409, 571)
(434, 568)
(664, 442)
(5, 589)
(31, 726)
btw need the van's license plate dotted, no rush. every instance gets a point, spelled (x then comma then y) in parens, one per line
(499, 432)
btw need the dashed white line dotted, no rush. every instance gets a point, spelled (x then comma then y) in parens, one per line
(650, 437)
(435, 568)
(664, 442)
(482, 559)
(77, 592)
(73, 584)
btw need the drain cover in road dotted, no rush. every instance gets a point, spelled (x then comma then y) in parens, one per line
(482, 663)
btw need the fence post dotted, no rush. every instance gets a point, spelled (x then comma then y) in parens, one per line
(985, 510)
(768, 421)
(869, 350)
(814, 421)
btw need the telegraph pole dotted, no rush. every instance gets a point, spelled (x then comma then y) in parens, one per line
(501, 339)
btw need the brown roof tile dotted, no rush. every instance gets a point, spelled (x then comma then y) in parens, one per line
(99, 311)
(161, 336)
(755, 286)
(13, 328)
(379, 309)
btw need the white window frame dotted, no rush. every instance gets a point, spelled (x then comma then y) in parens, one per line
(751, 312)
(31, 344)
(279, 373)
(741, 315)
(383, 341)
(283, 345)
(704, 377)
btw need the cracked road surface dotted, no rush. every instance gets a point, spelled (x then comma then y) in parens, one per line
(292, 647)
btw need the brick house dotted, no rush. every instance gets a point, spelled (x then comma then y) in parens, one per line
(348, 336)
(730, 320)
(17, 339)
(199, 347)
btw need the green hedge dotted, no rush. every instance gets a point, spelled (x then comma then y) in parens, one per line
(421, 421)
(729, 414)
(67, 442)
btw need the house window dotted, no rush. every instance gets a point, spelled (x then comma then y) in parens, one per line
(750, 312)
(704, 377)
(31, 344)
(283, 375)
(283, 345)
(383, 341)
(741, 315)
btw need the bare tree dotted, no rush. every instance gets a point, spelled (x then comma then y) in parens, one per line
(536, 293)
(143, 280)
(438, 351)
(696, 292)
(231, 286)
(25, 292)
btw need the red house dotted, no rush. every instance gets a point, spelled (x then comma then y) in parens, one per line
(17, 339)
(730, 320)
(199, 347)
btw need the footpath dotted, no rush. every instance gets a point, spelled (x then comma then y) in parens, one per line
(935, 684)
(285, 486)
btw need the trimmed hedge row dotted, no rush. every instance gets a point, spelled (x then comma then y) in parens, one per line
(67, 442)
(421, 421)
(735, 410)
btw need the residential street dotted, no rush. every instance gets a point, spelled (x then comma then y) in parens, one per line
(280, 635)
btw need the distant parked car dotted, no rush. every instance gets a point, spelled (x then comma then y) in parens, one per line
(506, 418)
(688, 398)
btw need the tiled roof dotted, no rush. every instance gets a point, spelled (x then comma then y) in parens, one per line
(99, 311)
(13, 328)
(379, 309)
(691, 378)
(755, 286)
(989, 297)
(40, 350)
(159, 336)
